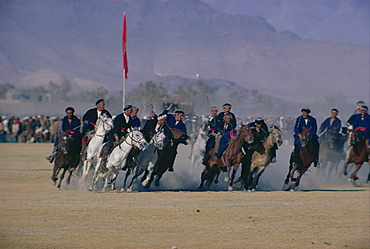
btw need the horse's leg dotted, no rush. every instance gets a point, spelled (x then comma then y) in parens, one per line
(203, 178)
(159, 176)
(86, 167)
(257, 178)
(217, 175)
(354, 176)
(345, 168)
(210, 176)
(128, 173)
(54, 177)
(61, 179)
(149, 174)
(296, 184)
(290, 169)
(235, 169)
(295, 166)
(70, 175)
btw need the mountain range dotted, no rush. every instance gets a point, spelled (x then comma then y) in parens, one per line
(81, 39)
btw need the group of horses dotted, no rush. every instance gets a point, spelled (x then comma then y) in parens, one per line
(148, 162)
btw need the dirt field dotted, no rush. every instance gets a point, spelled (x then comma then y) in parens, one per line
(35, 215)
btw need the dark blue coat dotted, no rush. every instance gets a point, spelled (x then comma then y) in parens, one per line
(92, 117)
(362, 123)
(336, 125)
(120, 126)
(220, 117)
(171, 122)
(71, 127)
(300, 124)
(220, 126)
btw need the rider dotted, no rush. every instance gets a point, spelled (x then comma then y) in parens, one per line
(89, 119)
(227, 110)
(174, 121)
(357, 111)
(71, 125)
(135, 118)
(225, 129)
(305, 121)
(121, 124)
(211, 127)
(332, 122)
(362, 124)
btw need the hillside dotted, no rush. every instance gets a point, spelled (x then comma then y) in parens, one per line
(82, 39)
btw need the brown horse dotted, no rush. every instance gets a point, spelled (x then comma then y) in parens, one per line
(259, 162)
(306, 158)
(358, 154)
(67, 158)
(230, 158)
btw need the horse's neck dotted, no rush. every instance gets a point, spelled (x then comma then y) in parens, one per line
(269, 143)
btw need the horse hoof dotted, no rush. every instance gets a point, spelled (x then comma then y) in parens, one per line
(129, 190)
(58, 189)
(216, 181)
(122, 190)
(345, 173)
(144, 183)
(90, 188)
(226, 179)
(230, 188)
(286, 181)
(292, 190)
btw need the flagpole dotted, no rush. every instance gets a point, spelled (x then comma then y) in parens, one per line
(123, 88)
(124, 60)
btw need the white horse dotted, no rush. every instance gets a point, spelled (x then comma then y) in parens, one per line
(147, 159)
(117, 159)
(103, 126)
(199, 146)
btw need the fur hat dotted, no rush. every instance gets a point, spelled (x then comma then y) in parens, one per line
(306, 109)
(127, 107)
(70, 109)
(99, 101)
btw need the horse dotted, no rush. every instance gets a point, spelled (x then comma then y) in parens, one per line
(306, 159)
(103, 126)
(199, 147)
(66, 159)
(167, 156)
(259, 161)
(357, 155)
(331, 151)
(230, 158)
(147, 159)
(117, 159)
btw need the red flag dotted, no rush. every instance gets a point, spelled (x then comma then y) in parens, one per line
(124, 52)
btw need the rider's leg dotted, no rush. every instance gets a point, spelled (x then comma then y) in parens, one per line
(55, 150)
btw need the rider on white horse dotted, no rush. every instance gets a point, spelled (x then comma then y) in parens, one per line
(121, 124)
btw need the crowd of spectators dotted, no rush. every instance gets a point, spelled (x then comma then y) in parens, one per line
(40, 129)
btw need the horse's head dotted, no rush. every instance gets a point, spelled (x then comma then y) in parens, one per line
(306, 136)
(65, 142)
(354, 137)
(136, 138)
(245, 133)
(276, 135)
(105, 122)
(158, 139)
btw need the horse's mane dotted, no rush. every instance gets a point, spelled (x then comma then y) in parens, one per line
(177, 133)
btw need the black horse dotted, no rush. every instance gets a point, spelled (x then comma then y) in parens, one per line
(67, 158)
(331, 151)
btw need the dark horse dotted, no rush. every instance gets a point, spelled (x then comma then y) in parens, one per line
(67, 158)
(167, 156)
(331, 151)
(305, 156)
(358, 154)
(230, 158)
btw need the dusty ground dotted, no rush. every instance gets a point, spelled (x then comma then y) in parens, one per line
(35, 215)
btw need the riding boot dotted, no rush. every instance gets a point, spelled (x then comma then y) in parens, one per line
(53, 154)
